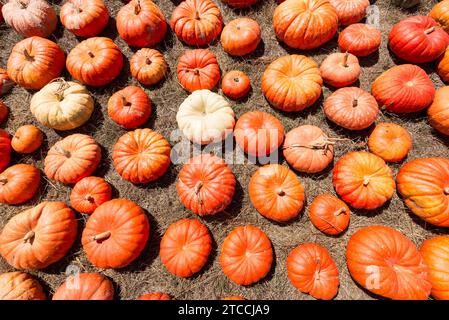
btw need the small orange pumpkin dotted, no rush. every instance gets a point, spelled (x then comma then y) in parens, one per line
(148, 66)
(20, 286)
(235, 84)
(130, 107)
(84, 18)
(360, 39)
(19, 183)
(241, 36)
(390, 141)
(198, 69)
(85, 286)
(329, 214)
(438, 111)
(89, 193)
(350, 11)
(27, 139)
(155, 296)
(340, 69)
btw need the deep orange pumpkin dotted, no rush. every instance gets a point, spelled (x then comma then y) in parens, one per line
(89, 193)
(85, 286)
(20, 286)
(390, 141)
(19, 183)
(329, 214)
(233, 298)
(340, 69)
(440, 13)
(198, 69)
(130, 107)
(5, 83)
(350, 11)
(5, 149)
(360, 39)
(235, 84)
(443, 66)
(438, 111)
(435, 252)
(84, 18)
(148, 66)
(27, 139)
(155, 296)
(241, 36)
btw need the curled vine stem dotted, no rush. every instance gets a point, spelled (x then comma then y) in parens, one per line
(322, 144)
(197, 190)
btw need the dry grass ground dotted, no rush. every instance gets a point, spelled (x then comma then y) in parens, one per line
(160, 200)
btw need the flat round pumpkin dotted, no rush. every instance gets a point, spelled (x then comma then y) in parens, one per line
(235, 84)
(435, 252)
(329, 214)
(360, 39)
(148, 66)
(241, 36)
(89, 193)
(84, 18)
(19, 183)
(20, 286)
(340, 69)
(438, 111)
(27, 139)
(350, 11)
(198, 69)
(85, 286)
(390, 141)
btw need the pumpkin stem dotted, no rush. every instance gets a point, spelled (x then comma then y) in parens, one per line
(446, 191)
(355, 103)
(318, 270)
(430, 30)
(195, 70)
(137, 8)
(91, 54)
(23, 5)
(236, 80)
(197, 15)
(101, 236)
(125, 102)
(27, 55)
(148, 60)
(280, 192)
(366, 180)
(89, 198)
(345, 60)
(62, 151)
(318, 144)
(29, 236)
(340, 211)
(197, 189)
(3, 181)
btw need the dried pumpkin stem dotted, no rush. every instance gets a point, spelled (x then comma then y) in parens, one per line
(430, 30)
(23, 5)
(101, 236)
(366, 180)
(197, 189)
(323, 144)
(345, 60)
(29, 236)
(3, 181)
(195, 70)
(137, 8)
(89, 198)
(355, 103)
(340, 211)
(27, 55)
(62, 151)
(331, 224)
(280, 192)
(148, 60)
(318, 270)
(125, 102)
(446, 191)
(197, 15)
(91, 54)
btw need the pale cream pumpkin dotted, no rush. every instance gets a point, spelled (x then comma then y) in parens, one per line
(205, 117)
(62, 105)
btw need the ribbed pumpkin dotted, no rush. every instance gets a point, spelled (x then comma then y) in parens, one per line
(241, 36)
(240, 3)
(4, 112)
(130, 107)
(27, 139)
(235, 84)
(443, 66)
(292, 83)
(6, 83)
(206, 185)
(360, 39)
(148, 66)
(435, 252)
(5, 149)
(440, 13)
(85, 286)
(39, 236)
(340, 69)
(198, 69)
(438, 111)
(329, 214)
(155, 296)
(350, 11)
(20, 286)
(89, 193)
(84, 18)
(19, 183)
(390, 141)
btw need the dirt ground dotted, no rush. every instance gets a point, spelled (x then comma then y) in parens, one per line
(147, 274)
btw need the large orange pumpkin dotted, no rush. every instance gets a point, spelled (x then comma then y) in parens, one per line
(130, 107)
(241, 36)
(363, 180)
(5, 149)
(305, 24)
(185, 247)
(19, 183)
(206, 185)
(197, 22)
(115, 234)
(89, 193)
(39, 236)
(84, 18)
(440, 13)
(350, 11)
(424, 185)
(27, 139)
(329, 214)
(141, 156)
(246, 255)
(438, 111)
(198, 69)
(85, 286)
(360, 39)
(292, 83)
(148, 66)
(435, 252)
(390, 141)
(312, 270)
(385, 262)
(95, 61)
(155, 296)
(20, 286)
(340, 69)
(72, 158)
(34, 62)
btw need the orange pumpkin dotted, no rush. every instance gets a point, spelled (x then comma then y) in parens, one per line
(438, 111)
(305, 24)
(276, 193)
(85, 286)
(185, 247)
(34, 62)
(385, 262)
(27, 139)
(5, 82)
(84, 18)
(424, 186)
(246, 255)
(20, 286)
(233, 298)
(390, 141)
(240, 3)
(206, 185)
(72, 158)
(148, 66)
(197, 22)
(19, 183)
(292, 83)
(360, 39)
(259, 133)
(340, 69)
(89, 193)
(329, 214)
(39, 236)
(443, 66)
(141, 23)
(4, 112)
(350, 11)
(95, 61)
(115, 234)
(241, 36)
(440, 13)
(130, 107)
(363, 180)
(155, 296)
(351, 108)
(198, 69)
(5, 149)
(141, 156)
(312, 270)
(235, 84)
(435, 252)
(308, 149)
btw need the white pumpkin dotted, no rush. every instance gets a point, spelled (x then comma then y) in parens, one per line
(205, 117)
(62, 105)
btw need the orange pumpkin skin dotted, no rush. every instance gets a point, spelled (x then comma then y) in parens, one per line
(206, 185)
(305, 24)
(27, 139)
(350, 11)
(308, 149)
(5, 83)
(438, 111)
(85, 286)
(276, 193)
(240, 3)
(440, 13)
(5, 149)
(241, 36)
(34, 62)
(351, 108)
(340, 69)
(360, 39)
(233, 298)
(84, 18)
(424, 186)
(443, 66)
(20, 286)
(312, 270)
(259, 133)
(390, 141)
(89, 193)
(185, 247)
(144, 149)
(19, 183)
(148, 66)
(115, 234)
(329, 214)
(155, 296)
(435, 252)
(385, 262)
(363, 180)
(404, 88)
(4, 112)
(130, 107)
(141, 23)
(39, 236)
(72, 158)
(197, 22)
(292, 83)
(235, 84)
(95, 61)
(246, 255)
(198, 69)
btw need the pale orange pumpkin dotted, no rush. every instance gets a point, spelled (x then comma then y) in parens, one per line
(340, 69)
(390, 141)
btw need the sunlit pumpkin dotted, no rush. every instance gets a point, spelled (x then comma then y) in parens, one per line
(198, 69)
(84, 18)
(390, 141)
(438, 111)
(241, 36)
(148, 66)
(440, 13)
(340, 69)
(27, 139)
(329, 214)
(350, 11)
(130, 107)
(235, 84)
(89, 193)
(20, 286)
(5, 149)
(85, 286)
(19, 183)
(360, 39)
(443, 66)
